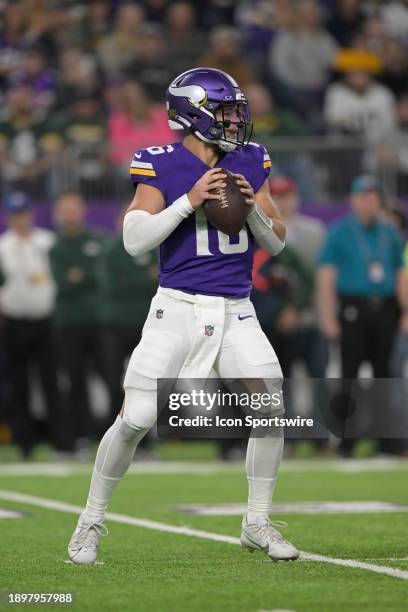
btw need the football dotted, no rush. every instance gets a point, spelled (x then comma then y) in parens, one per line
(230, 212)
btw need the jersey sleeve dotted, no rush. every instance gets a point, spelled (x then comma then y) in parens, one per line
(145, 168)
(261, 165)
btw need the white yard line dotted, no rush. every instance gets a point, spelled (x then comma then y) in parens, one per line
(388, 559)
(51, 504)
(68, 468)
(379, 569)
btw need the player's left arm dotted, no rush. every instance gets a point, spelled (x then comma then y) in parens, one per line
(264, 220)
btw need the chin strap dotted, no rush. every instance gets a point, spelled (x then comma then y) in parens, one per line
(227, 147)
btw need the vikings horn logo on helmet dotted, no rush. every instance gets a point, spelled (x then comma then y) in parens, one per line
(197, 100)
(196, 95)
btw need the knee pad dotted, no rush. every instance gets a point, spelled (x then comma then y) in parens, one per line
(140, 408)
(126, 431)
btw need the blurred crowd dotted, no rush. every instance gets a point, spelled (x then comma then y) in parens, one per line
(334, 304)
(73, 304)
(82, 87)
(82, 83)
(72, 307)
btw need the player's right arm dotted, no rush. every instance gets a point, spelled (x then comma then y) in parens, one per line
(148, 222)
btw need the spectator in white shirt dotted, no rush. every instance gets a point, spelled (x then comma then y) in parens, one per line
(26, 304)
(361, 106)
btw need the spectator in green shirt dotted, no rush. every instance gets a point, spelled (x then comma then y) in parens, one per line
(75, 261)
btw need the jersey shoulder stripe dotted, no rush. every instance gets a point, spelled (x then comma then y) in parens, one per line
(141, 172)
(139, 164)
(142, 168)
(260, 155)
(266, 159)
(149, 163)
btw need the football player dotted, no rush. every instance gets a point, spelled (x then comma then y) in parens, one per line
(201, 319)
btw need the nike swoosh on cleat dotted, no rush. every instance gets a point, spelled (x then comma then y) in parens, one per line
(256, 544)
(241, 318)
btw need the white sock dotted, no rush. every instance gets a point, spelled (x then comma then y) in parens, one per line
(114, 456)
(262, 463)
(260, 492)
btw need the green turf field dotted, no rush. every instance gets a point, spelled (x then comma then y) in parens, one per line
(145, 569)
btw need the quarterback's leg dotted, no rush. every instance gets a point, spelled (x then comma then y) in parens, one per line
(114, 456)
(246, 353)
(159, 354)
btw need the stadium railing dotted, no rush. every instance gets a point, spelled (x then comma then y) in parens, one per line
(322, 167)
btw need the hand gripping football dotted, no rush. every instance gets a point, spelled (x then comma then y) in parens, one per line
(230, 212)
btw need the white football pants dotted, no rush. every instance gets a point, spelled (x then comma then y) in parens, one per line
(194, 336)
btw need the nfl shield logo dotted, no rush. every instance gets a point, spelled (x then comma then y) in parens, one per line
(159, 313)
(208, 330)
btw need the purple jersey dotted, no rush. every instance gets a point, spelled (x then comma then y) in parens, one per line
(196, 257)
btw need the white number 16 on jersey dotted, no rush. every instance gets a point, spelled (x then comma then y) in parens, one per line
(203, 246)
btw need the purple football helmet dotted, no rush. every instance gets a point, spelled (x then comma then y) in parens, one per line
(193, 99)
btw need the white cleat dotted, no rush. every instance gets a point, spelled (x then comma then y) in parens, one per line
(261, 535)
(83, 547)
